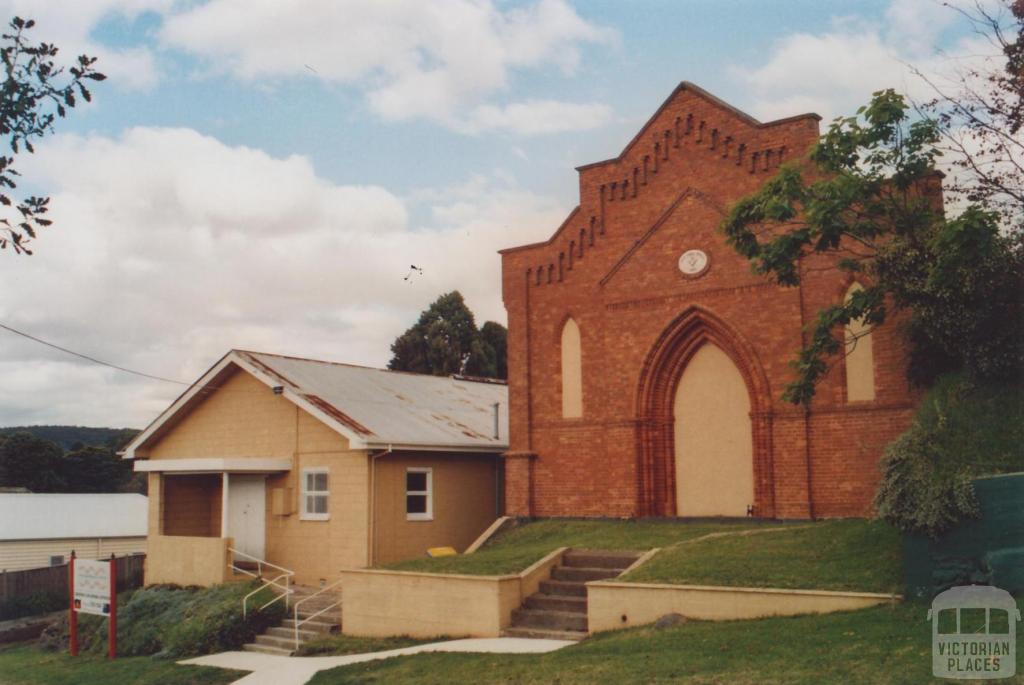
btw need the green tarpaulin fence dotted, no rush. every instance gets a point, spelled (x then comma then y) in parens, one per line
(988, 550)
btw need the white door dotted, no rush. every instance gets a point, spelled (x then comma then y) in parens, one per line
(247, 513)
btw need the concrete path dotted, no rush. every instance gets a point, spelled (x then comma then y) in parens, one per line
(267, 669)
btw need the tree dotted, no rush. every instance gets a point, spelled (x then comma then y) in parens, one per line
(495, 336)
(35, 92)
(980, 113)
(30, 462)
(445, 341)
(866, 205)
(94, 469)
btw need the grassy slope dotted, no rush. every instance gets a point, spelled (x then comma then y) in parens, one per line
(513, 550)
(26, 665)
(878, 646)
(831, 555)
(337, 645)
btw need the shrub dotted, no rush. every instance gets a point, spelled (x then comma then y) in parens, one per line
(32, 605)
(961, 431)
(168, 621)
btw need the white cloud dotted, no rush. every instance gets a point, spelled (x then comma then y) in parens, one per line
(69, 25)
(170, 247)
(412, 59)
(834, 72)
(537, 117)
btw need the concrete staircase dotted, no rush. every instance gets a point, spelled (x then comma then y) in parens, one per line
(280, 640)
(559, 610)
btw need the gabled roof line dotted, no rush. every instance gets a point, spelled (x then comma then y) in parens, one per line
(272, 379)
(558, 231)
(454, 376)
(359, 436)
(714, 99)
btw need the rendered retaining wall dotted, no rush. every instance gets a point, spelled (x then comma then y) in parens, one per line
(612, 605)
(187, 560)
(380, 603)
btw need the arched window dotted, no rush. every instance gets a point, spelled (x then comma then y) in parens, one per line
(860, 358)
(572, 371)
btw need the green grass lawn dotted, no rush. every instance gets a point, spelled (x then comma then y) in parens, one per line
(879, 646)
(27, 665)
(851, 554)
(336, 645)
(515, 549)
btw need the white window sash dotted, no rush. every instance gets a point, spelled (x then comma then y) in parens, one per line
(305, 493)
(428, 493)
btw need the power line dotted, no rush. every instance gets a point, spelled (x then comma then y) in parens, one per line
(87, 357)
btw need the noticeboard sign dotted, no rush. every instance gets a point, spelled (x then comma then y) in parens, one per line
(92, 587)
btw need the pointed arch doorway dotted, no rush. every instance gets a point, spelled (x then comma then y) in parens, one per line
(704, 423)
(712, 446)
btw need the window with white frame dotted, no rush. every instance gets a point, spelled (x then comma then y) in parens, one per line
(419, 494)
(315, 493)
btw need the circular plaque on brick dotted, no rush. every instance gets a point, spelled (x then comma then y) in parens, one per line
(694, 263)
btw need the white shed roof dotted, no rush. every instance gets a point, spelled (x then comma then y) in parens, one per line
(34, 516)
(373, 408)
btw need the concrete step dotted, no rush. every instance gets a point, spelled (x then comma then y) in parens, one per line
(318, 602)
(333, 616)
(582, 574)
(548, 620)
(315, 626)
(540, 634)
(279, 642)
(289, 633)
(568, 603)
(266, 649)
(589, 558)
(563, 587)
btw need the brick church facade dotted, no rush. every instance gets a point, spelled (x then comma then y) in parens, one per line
(646, 360)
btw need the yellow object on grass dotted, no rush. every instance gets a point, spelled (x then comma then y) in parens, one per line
(434, 552)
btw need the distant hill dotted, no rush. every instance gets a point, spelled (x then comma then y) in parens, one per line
(70, 436)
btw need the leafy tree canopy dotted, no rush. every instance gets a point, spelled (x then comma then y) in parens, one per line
(40, 465)
(30, 462)
(445, 341)
(35, 92)
(868, 205)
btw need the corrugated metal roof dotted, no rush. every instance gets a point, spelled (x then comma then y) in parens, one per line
(38, 516)
(396, 408)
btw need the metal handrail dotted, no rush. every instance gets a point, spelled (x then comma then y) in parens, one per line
(295, 609)
(260, 563)
(274, 582)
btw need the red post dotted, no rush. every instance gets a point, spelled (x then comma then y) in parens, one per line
(112, 650)
(73, 615)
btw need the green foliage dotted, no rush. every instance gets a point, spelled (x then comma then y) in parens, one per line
(866, 205)
(33, 94)
(71, 438)
(93, 469)
(30, 462)
(32, 605)
(445, 341)
(174, 622)
(961, 431)
(33, 462)
(495, 337)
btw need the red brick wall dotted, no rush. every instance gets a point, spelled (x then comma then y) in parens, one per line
(612, 266)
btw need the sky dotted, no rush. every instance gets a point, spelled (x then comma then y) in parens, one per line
(261, 174)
